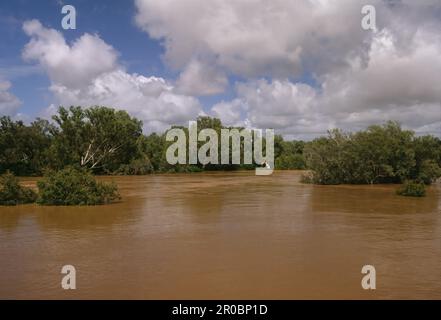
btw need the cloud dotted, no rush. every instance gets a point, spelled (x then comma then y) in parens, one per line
(401, 85)
(392, 77)
(301, 67)
(148, 98)
(87, 73)
(358, 77)
(292, 109)
(199, 79)
(396, 84)
(230, 112)
(85, 59)
(278, 38)
(9, 103)
(251, 38)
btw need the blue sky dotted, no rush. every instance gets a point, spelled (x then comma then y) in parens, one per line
(301, 67)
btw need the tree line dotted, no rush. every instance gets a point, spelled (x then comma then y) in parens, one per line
(107, 141)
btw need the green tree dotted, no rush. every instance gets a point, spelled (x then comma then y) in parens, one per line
(380, 154)
(328, 158)
(427, 159)
(288, 154)
(24, 149)
(97, 138)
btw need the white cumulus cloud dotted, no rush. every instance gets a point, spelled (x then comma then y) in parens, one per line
(353, 77)
(87, 73)
(401, 85)
(200, 79)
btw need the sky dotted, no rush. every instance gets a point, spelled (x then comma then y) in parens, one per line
(301, 67)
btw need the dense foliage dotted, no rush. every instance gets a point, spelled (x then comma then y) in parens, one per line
(411, 188)
(24, 150)
(106, 141)
(97, 138)
(11, 193)
(380, 154)
(288, 154)
(72, 186)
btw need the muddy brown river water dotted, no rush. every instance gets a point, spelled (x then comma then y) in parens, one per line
(226, 235)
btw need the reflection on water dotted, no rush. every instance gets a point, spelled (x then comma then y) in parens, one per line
(226, 235)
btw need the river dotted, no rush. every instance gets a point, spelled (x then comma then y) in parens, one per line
(226, 236)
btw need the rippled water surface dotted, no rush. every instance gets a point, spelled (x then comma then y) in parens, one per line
(226, 235)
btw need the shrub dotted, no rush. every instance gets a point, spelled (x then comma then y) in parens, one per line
(11, 193)
(412, 188)
(429, 171)
(380, 154)
(192, 168)
(72, 186)
(136, 167)
(290, 162)
(307, 178)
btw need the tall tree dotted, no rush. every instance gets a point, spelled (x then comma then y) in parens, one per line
(97, 138)
(24, 149)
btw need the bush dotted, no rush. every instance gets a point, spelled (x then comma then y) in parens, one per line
(11, 193)
(412, 189)
(380, 154)
(290, 162)
(136, 167)
(307, 178)
(72, 186)
(429, 171)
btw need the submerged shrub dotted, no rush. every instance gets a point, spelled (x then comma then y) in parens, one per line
(307, 178)
(11, 193)
(72, 186)
(412, 188)
(141, 166)
(429, 171)
(380, 154)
